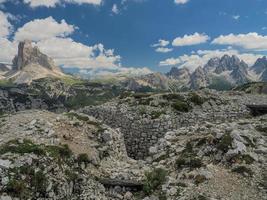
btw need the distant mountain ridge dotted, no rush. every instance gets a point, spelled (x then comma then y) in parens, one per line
(218, 73)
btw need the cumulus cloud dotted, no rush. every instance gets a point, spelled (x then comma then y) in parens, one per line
(115, 9)
(53, 3)
(236, 17)
(181, 1)
(201, 57)
(55, 41)
(34, 30)
(188, 40)
(163, 50)
(37, 3)
(8, 50)
(161, 43)
(5, 26)
(250, 41)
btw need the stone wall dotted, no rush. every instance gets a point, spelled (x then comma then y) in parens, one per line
(141, 132)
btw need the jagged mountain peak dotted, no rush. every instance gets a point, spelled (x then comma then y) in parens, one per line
(260, 65)
(176, 72)
(31, 64)
(27, 54)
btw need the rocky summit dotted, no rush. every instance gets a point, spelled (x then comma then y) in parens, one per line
(30, 64)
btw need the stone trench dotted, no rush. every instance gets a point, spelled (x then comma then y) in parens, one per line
(140, 133)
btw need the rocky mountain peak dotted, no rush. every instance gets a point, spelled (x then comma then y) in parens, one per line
(199, 78)
(27, 54)
(179, 73)
(260, 65)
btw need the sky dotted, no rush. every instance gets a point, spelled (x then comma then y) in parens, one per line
(134, 36)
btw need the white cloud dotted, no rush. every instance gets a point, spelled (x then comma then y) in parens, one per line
(94, 2)
(5, 26)
(201, 57)
(250, 41)
(40, 29)
(37, 3)
(181, 1)
(54, 41)
(188, 40)
(8, 50)
(53, 3)
(115, 9)
(236, 17)
(161, 43)
(163, 50)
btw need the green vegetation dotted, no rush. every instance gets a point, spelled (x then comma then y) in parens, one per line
(141, 95)
(200, 179)
(17, 188)
(83, 158)
(173, 96)
(23, 177)
(72, 81)
(181, 106)
(26, 146)
(247, 159)
(225, 143)
(78, 116)
(59, 152)
(71, 176)
(154, 180)
(6, 83)
(253, 88)
(188, 158)
(242, 170)
(196, 99)
(156, 114)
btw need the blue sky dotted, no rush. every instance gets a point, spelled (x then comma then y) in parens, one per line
(125, 34)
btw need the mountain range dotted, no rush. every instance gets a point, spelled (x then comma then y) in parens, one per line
(221, 73)
(218, 73)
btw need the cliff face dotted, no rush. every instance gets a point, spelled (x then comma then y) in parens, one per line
(27, 55)
(31, 64)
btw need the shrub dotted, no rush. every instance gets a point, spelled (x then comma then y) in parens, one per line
(242, 170)
(225, 143)
(17, 188)
(188, 161)
(156, 114)
(154, 180)
(83, 158)
(141, 95)
(14, 146)
(76, 115)
(71, 176)
(173, 96)
(188, 158)
(39, 182)
(59, 152)
(196, 99)
(181, 106)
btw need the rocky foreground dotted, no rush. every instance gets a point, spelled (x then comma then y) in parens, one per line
(186, 146)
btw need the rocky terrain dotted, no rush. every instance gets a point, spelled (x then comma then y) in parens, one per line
(138, 139)
(138, 146)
